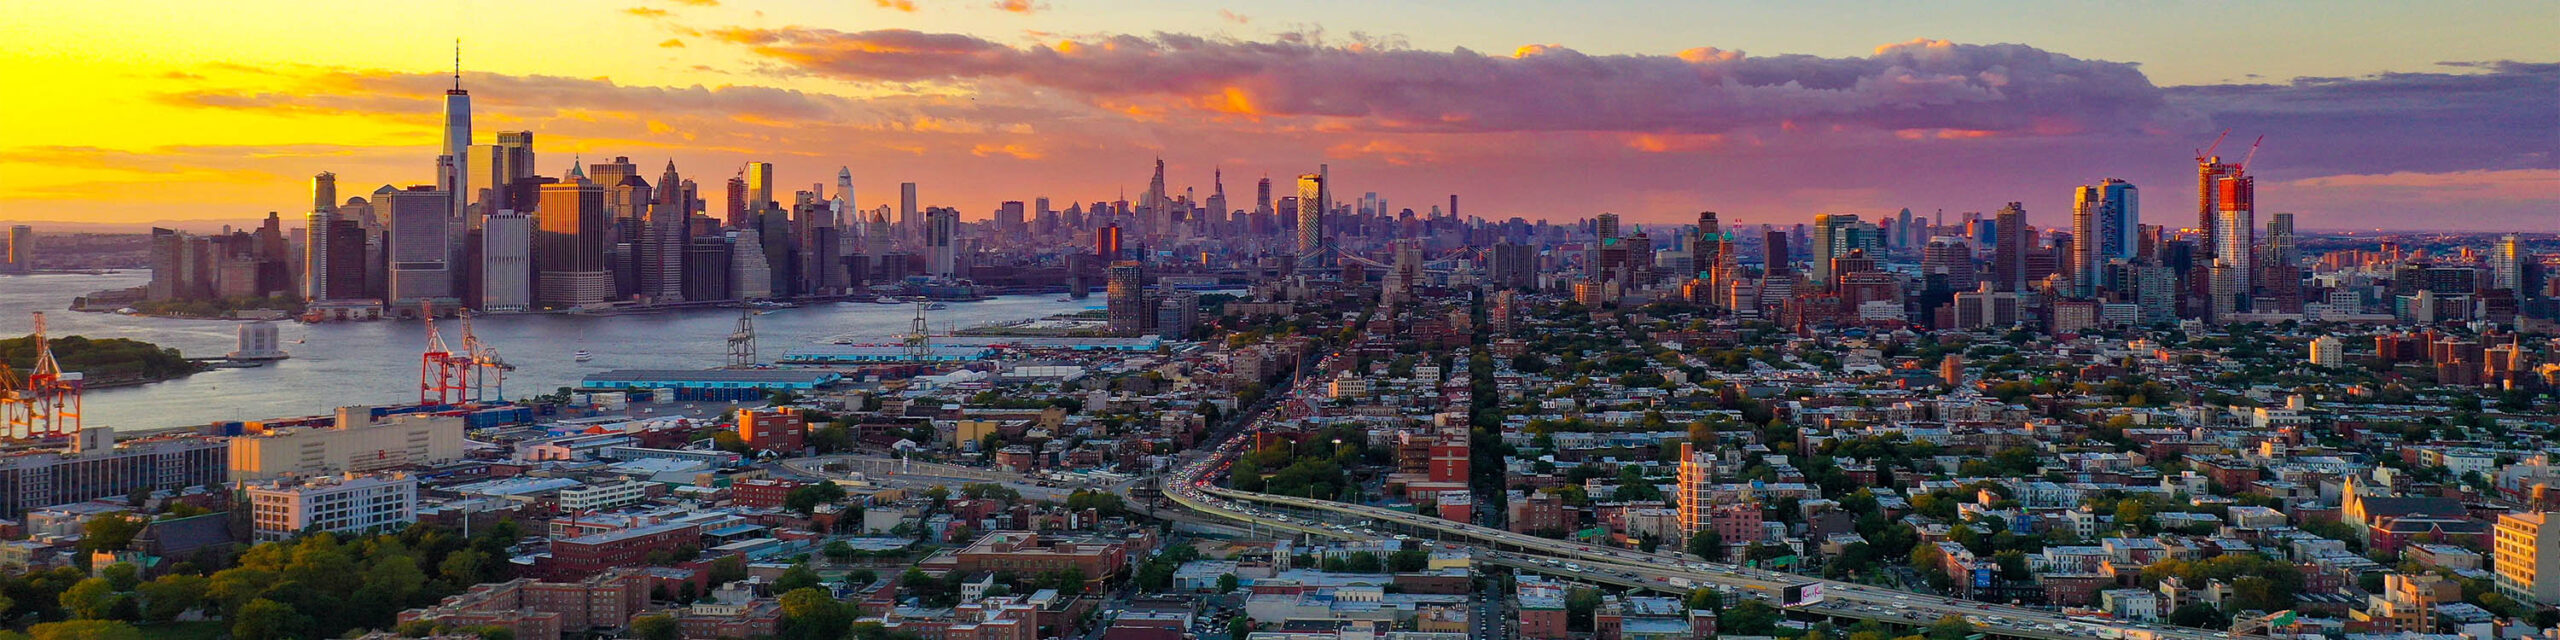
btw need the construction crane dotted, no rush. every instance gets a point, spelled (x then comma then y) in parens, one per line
(2253, 153)
(2207, 152)
(442, 375)
(48, 403)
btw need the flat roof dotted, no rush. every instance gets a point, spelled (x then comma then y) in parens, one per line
(775, 376)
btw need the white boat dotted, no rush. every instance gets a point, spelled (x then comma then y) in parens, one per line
(583, 356)
(1066, 298)
(935, 306)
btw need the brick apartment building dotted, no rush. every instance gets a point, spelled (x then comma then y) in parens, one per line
(539, 610)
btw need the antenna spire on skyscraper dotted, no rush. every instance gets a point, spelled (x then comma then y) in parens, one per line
(457, 64)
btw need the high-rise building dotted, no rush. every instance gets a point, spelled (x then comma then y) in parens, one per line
(19, 256)
(1514, 266)
(2526, 552)
(422, 246)
(506, 263)
(907, 221)
(1773, 252)
(457, 144)
(1311, 208)
(1834, 235)
(1262, 197)
(2103, 220)
(2506, 262)
(569, 245)
(1106, 243)
(847, 218)
(1604, 226)
(2235, 242)
(315, 237)
(941, 239)
(1125, 298)
(1697, 481)
(759, 185)
(750, 275)
(1009, 217)
(2009, 253)
(2210, 171)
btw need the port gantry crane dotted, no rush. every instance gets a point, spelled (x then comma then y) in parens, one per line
(47, 404)
(488, 381)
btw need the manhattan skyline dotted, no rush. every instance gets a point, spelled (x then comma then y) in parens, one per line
(2382, 118)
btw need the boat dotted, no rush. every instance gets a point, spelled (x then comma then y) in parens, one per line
(889, 300)
(583, 356)
(935, 306)
(1066, 298)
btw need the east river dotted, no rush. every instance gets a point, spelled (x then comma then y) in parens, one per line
(348, 363)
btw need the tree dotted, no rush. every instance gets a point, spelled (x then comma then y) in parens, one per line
(1239, 627)
(84, 630)
(1708, 544)
(1750, 618)
(164, 598)
(1951, 627)
(728, 568)
(1578, 605)
(90, 599)
(2198, 614)
(122, 575)
(655, 627)
(1409, 560)
(1227, 583)
(798, 577)
(264, 619)
(805, 499)
(813, 614)
(110, 532)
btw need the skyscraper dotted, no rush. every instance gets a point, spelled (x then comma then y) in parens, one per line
(2103, 219)
(1262, 197)
(19, 256)
(942, 226)
(1604, 226)
(1125, 297)
(2506, 263)
(759, 186)
(847, 218)
(1834, 235)
(1311, 206)
(315, 236)
(907, 221)
(2234, 231)
(569, 245)
(2009, 251)
(457, 142)
(2210, 170)
(422, 245)
(662, 249)
(506, 259)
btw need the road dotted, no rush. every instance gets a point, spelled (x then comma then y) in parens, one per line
(1190, 487)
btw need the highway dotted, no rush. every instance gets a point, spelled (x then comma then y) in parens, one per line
(1191, 487)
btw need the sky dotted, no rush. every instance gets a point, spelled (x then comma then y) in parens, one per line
(2373, 114)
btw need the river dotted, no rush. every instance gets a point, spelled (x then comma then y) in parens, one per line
(351, 363)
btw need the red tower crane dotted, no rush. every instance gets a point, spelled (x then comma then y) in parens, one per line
(488, 379)
(48, 404)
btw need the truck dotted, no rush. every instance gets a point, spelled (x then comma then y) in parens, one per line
(1683, 583)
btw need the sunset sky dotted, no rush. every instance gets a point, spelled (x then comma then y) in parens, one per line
(2394, 115)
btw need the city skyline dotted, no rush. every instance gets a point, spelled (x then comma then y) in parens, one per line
(979, 110)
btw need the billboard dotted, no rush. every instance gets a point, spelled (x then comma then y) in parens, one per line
(1981, 578)
(1806, 594)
